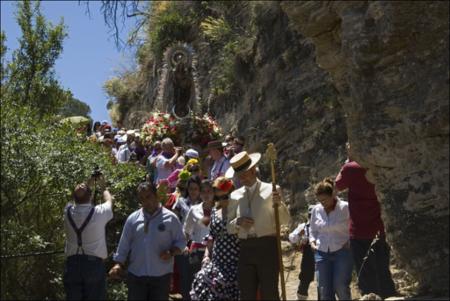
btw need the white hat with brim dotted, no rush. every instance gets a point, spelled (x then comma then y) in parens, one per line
(241, 163)
(122, 139)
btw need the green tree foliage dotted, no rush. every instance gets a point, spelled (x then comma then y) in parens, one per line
(168, 26)
(31, 74)
(42, 160)
(3, 49)
(74, 107)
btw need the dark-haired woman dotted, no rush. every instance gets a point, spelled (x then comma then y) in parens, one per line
(329, 238)
(196, 229)
(181, 208)
(217, 280)
(96, 129)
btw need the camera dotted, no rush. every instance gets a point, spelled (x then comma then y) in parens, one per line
(96, 173)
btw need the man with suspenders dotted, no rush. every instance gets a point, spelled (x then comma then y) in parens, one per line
(84, 223)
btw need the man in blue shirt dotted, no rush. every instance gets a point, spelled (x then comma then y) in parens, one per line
(150, 239)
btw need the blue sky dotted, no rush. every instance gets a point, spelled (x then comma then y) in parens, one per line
(89, 56)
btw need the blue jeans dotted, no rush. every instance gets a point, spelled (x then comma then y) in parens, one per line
(84, 278)
(334, 274)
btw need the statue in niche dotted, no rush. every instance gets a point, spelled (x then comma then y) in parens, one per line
(177, 89)
(182, 85)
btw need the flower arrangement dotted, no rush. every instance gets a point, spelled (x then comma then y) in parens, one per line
(184, 175)
(198, 130)
(162, 191)
(192, 161)
(159, 126)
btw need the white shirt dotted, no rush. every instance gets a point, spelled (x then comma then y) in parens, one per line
(294, 236)
(93, 236)
(193, 225)
(123, 154)
(183, 205)
(163, 172)
(330, 232)
(255, 202)
(219, 168)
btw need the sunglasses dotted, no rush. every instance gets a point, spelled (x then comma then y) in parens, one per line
(222, 198)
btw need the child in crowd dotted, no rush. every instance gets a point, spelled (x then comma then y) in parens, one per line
(300, 237)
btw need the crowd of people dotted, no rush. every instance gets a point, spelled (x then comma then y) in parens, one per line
(205, 228)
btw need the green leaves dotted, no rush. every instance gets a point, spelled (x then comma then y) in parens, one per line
(42, 161)
(31, 76)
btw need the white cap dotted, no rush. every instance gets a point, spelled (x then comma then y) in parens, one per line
(130, 132)
(192, 153)
(181, 160)
(122, 139)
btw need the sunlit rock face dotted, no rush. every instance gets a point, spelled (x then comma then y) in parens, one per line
(317, 73)
(284, 97)
(389, 62)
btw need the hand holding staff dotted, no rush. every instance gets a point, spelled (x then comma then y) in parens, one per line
(272, 155)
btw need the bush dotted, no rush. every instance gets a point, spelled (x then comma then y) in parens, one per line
(169, 26)
(42, 160)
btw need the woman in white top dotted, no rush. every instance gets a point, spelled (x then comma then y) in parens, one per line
(181, 209)
(196, 227)
(329, 238)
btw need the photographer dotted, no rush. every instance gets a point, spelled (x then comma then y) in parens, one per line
(84, 223)
(166, 161)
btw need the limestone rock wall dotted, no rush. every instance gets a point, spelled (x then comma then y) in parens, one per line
(389, 62)
(285, 98)
(318, 73)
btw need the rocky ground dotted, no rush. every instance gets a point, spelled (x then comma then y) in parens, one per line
(292, 258)
(291, 262)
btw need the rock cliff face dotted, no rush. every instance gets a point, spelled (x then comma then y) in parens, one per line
(389, 62)
(318, 73)
(285, 98)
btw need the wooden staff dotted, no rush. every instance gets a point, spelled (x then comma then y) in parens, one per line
(272, 155)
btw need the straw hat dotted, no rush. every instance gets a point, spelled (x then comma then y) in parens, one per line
(215, 144)
(242, 162)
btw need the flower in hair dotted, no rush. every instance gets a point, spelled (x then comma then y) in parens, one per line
(192, 162)
(184, 175)
(225, 186)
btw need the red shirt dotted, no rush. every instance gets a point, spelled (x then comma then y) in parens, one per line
(363, 205)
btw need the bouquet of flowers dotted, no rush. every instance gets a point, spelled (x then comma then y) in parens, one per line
(205, 129)
(198, 130)
(160, 125)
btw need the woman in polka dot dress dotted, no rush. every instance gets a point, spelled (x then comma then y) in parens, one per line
(217, 280)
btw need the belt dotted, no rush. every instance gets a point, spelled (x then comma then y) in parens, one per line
(88, 257)
(195, 246)
(254, 236)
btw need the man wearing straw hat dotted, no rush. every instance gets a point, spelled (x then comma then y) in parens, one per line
(251, 216)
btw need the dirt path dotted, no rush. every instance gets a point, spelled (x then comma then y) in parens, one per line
(291, 262)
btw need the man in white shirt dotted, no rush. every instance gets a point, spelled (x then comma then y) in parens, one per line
(251, 216)
(84, 223)
(166, 161)
(124, 151)
(221, 163)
